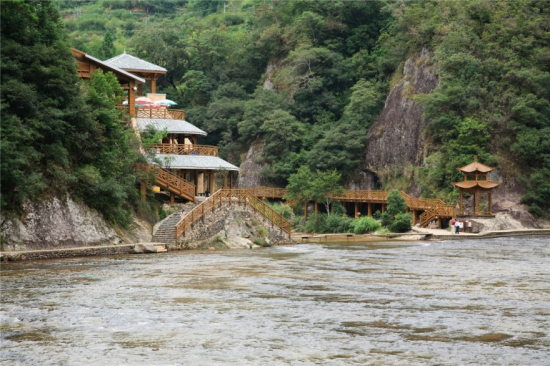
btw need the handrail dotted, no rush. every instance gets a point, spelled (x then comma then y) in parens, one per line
(357, 195)
(433, 212)
(186, 149)
(161, 113)
(172, 182)
(230, 196)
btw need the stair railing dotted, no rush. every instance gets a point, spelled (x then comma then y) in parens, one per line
(171, 182)
(230, 197)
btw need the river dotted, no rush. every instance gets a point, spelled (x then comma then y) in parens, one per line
(483, 302)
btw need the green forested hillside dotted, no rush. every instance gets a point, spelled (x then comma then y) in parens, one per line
(59, 135)
(332, 64)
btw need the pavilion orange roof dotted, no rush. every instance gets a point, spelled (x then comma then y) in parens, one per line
(475, 167)
(468, 184)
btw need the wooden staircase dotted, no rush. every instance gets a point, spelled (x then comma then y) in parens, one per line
(435, 212)
(232, 197)
(172, 183)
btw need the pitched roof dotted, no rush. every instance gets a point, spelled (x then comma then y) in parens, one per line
(475, 167)
(194, 162)
(170, 125)
(129, 62)
(109, 67)
(468, 184)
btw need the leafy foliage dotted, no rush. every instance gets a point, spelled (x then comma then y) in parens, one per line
(59, 135)
(365, 224)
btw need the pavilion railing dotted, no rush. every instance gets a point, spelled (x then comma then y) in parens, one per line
(232, 197)
(161, 113)
(186, 149)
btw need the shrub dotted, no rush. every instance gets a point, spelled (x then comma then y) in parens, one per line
(316, 223)
(386, 219)
(337, 224)
(377, 215)
(283, 210)
(402, 223)
(365, 225)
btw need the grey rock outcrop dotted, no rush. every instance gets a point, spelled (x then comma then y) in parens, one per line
(56, 223)
(144, 248)
(396, 139)
(249, 173)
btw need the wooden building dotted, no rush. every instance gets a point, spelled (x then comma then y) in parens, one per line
(86, 65)
(183, 167)
(476, 183)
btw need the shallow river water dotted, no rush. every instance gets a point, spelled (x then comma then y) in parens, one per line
(483, 302)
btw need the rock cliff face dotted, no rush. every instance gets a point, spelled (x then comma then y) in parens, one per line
(62, 223)
(249, 171)
(396, 139)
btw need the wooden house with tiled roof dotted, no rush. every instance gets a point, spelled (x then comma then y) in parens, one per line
(183, 167)
(139, 67)
(475, 182)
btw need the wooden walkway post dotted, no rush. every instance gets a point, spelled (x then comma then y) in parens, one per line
(143, 191)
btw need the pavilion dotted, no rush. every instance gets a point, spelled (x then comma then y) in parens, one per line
(475, 182)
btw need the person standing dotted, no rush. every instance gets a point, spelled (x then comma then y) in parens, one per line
(457, 227)
(453, 226)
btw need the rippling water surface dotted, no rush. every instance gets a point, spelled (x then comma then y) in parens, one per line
(442, 303)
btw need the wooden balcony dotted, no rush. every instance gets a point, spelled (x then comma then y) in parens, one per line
(203, 150)
(161, 113)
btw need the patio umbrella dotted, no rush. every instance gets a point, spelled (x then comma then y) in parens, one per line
(166, 102)
(143, 100)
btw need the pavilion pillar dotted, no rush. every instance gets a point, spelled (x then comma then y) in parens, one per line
(439, 223)
(356, 210)
(383, 207)
(154, 84)
(369, 209)
(172, 198)
(143, 191)
(140, 89)
(316, 208)
(132, 99)
(490, 202)
(414, 217)
(211, 182)
(476, 202)
(225, 181)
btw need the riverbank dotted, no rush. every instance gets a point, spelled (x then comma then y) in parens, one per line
(420, 234)
(416, 234)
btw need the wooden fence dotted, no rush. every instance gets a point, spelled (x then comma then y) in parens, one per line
(232, 197)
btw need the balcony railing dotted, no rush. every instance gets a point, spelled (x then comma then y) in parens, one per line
(186, 149)
(161, 113)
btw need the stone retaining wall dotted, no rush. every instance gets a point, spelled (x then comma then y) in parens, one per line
(67, 253)
(214, 222)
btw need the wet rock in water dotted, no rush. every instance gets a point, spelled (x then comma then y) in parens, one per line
(144, 248)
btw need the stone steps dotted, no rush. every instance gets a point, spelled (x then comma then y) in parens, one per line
(167, 231)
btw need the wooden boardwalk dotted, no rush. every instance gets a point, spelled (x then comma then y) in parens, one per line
(423, 209)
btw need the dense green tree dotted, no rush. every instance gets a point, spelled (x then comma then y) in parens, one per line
(45, 127)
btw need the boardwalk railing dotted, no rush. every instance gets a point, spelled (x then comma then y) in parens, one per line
(433, 207)
(185, 149)
(434, 212)
(161, 113)
(232, 197)
(172, 182)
